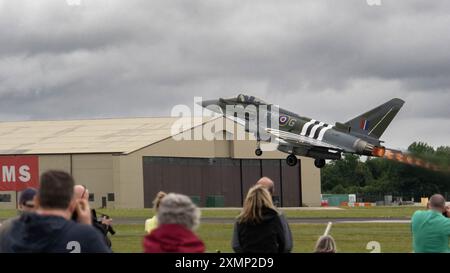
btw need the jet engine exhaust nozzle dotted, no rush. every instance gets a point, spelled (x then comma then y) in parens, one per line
(370, 149)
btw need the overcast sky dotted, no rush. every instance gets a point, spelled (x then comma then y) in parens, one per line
(330, 60)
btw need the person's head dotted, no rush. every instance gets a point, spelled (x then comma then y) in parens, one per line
(258, 197)
(81, 192)
(26, 201)
(325, 244)
(157, 201)
(437, 202)
(56, 191)
(267, 183)
(178, 209)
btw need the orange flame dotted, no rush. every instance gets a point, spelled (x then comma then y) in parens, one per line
(379, 151)
(409, 159)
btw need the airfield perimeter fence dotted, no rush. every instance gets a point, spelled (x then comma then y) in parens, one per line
(398, 198)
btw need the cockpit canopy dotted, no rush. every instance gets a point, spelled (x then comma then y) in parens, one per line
(250, 99)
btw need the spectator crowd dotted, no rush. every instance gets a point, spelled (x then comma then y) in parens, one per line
(57, 218)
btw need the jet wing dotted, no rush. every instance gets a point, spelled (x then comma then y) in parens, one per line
(254, 131)
(237, 120)
(300, 140)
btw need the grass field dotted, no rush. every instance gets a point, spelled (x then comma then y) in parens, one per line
(368, 212)
(360, 212)
(350, 237)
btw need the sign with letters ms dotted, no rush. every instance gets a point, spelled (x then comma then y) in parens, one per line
(18, 172)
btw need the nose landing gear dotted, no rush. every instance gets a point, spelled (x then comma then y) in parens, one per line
(258, 151)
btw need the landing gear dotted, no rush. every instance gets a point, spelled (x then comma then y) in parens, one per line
(319, 163)
(291, 160)
(258, 151)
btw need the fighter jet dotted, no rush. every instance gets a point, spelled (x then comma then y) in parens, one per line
(303, 136)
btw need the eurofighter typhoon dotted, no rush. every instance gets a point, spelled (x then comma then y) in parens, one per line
(303, 136)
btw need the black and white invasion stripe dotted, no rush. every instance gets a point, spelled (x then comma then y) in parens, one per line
(315, 129)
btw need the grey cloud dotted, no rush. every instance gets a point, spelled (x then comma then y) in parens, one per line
(327, 59)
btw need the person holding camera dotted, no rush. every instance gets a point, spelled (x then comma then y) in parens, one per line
(50, 229)
(104, 225)
(431, 228)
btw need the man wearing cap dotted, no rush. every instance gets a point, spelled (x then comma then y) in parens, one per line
(50, 229)
(26, 204)
(26, 200)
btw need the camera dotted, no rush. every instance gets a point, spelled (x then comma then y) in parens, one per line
(110, 228)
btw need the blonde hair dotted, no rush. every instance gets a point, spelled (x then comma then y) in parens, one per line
(157, 201)
(325, 244)
(258, 197)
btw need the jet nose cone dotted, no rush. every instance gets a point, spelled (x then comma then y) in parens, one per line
(206, 103)
(212, 105)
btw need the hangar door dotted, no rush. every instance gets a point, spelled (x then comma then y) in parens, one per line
(228, 178)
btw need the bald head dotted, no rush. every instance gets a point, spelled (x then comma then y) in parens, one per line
(80, 192)
(437, 202)
(267, 183)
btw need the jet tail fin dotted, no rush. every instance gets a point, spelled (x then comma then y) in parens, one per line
(374, 122)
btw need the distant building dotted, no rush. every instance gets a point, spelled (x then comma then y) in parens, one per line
(125, 162)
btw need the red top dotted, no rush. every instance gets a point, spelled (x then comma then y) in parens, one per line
(172, 238)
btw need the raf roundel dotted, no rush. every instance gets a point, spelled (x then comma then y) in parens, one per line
(283, 120)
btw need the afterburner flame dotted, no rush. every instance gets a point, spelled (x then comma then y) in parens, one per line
(409, 159)
(379, 151)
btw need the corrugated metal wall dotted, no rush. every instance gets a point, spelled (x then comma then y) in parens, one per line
(230, 178)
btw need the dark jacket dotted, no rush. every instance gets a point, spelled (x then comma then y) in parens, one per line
(31, 232)
(104, 229)
(97, 225)
(172, 238)
(272, 235)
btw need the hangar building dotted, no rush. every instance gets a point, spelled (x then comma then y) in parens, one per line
(125, 162)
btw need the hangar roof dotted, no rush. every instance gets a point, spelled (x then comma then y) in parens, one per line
(123, 135)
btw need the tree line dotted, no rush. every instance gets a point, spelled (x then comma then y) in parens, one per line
(376, 176)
